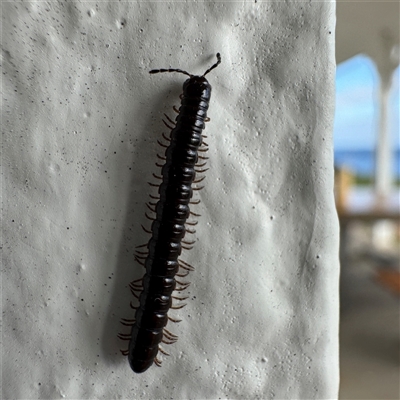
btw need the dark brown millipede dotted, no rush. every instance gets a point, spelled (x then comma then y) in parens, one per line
(168, 230)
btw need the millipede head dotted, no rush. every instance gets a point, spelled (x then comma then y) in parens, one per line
(197, 87)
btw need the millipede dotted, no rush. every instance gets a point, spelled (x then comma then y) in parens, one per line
(171, 209)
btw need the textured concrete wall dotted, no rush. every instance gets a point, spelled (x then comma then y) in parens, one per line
(81, 119)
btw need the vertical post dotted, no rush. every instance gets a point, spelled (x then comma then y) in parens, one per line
(383, 157)
(386, 63)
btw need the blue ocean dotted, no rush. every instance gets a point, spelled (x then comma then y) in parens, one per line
(362, 162)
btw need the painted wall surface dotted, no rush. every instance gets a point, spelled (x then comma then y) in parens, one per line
(81, 120)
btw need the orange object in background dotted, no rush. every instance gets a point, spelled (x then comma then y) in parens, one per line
(390, 279)
(344, 180)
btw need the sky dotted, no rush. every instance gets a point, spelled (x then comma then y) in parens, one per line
(357, 107)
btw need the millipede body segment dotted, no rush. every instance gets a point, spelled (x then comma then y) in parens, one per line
(168, 227)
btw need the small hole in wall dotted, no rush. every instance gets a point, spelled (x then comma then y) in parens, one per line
(121, 23)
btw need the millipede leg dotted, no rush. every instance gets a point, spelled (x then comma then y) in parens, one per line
(150, 208)
(157, 362)
(178, 307)
(132, 306)
(169, 127)
(165, 123)
(166, 137)
(182, 283)
(161, 157)
(173, 320)
(169, 340)
(136, 287)
(139, 261)
(189, 243)
(125, 352)
(169, 119)
(183, 286)
(146, 230)
(152, 219)
(141, 252)
(199, 180)
(163, 351)
(134, 293)
(162, 144)
(127, 322)
(180, 298)
(175, 109)
(186, 266)
(124, 336)
(170, 335)
(201, 171)
(135, 283)
(157, 177)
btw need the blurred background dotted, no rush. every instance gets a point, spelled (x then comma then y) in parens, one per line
(367, 192)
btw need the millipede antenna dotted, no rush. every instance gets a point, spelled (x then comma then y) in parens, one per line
(215, 65)
(156, 71)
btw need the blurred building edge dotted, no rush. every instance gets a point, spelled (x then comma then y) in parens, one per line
(372, 28)
(382, 251)
(387, 64)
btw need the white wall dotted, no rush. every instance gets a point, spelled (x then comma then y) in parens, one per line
(81, 119)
